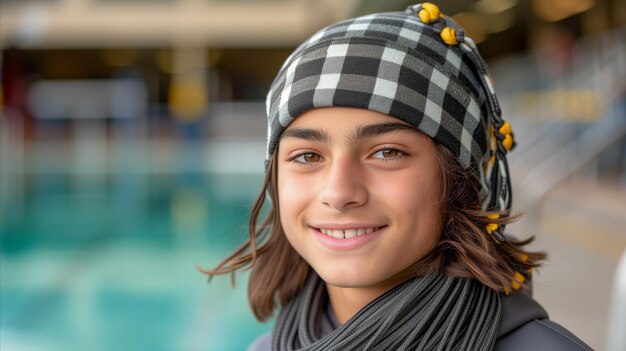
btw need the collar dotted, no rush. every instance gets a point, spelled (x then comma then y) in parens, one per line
(517, 309)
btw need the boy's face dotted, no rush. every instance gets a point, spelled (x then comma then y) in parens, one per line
(358, 193)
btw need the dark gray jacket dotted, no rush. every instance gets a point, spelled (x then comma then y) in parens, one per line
(524, 326)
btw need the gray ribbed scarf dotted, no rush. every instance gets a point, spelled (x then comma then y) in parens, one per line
(434, 312)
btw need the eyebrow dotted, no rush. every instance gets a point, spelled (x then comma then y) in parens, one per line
(361, 132)
(372, 130)
(307, 134)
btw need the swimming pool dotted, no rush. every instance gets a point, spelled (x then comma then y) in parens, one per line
(101, 262)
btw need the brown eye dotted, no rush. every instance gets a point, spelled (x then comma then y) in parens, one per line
(311, 157)
(388, 153)
(307, 158)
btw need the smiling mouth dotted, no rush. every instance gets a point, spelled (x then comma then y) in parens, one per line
(348, 233)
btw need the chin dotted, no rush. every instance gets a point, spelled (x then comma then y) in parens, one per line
(346, 278)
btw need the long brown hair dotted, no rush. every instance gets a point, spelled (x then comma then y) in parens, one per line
(464, 249)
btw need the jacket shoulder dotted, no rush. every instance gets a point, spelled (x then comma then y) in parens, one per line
(538, 335)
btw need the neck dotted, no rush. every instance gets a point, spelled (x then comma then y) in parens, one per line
(347, 301)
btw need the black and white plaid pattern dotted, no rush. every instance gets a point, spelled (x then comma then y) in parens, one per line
(395, 64)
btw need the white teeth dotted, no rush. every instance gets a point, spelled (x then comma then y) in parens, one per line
(348, 233)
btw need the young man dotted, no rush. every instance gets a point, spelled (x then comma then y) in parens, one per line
(387, 172)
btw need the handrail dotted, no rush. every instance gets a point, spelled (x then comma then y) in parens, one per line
(571, 157)
(568, 148)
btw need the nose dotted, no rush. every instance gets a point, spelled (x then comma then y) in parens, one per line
(343, 187)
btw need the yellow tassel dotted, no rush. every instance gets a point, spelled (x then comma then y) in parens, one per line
(515, 285)
(429, 12)
(507, 292)
(505, 128)
(507, 142)
(449, 36)
(517, 282)
(493, 216)
(491, 227)
(522, 257)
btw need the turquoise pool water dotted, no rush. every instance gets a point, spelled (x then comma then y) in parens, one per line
(98, 262)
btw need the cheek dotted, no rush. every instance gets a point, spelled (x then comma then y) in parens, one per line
(293, 201)
(294, 194)
(289, 190)
(286, 210)
(285, 202)
(416, 195)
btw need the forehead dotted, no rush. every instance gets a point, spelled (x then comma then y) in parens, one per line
(352, 125)
(337, 117)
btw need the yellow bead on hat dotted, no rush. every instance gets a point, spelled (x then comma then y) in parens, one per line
(448, 34)
(505, 130)
(429, 12)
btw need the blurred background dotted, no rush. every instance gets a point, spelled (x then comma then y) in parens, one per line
(132, 140)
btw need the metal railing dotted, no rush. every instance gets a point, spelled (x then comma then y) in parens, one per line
(553, 149)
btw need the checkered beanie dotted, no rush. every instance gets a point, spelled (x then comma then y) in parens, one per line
(417, 66)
